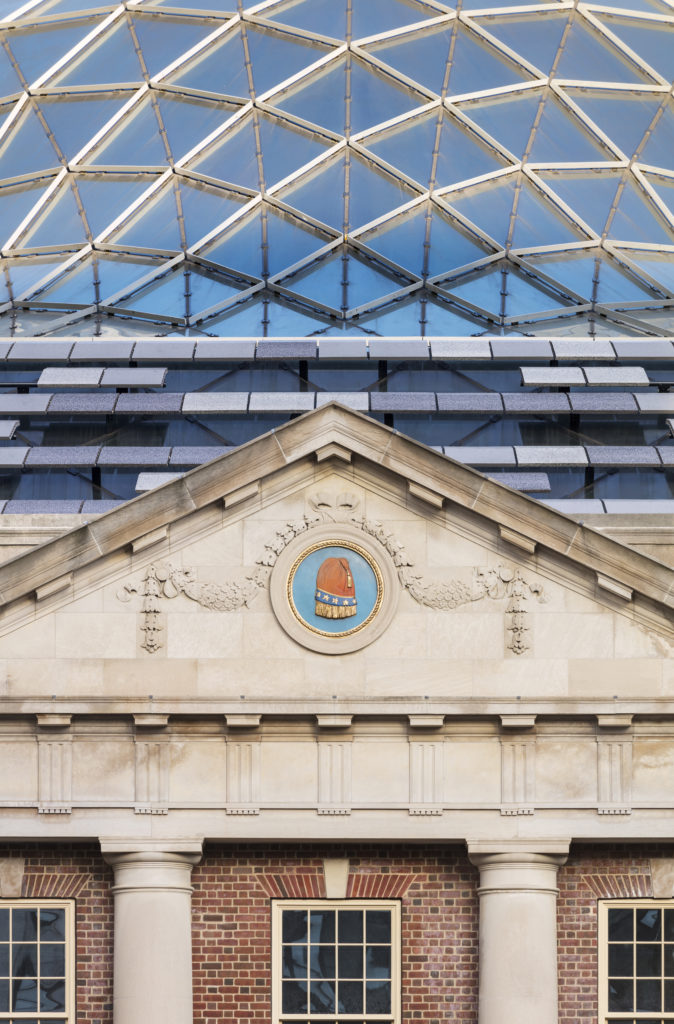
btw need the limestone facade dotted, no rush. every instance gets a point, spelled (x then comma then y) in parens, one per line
(511, 697)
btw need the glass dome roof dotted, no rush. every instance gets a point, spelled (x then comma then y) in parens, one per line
(458, 219)
(303, 166)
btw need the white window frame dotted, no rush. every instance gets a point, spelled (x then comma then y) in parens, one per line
(278, 906)
(61, 1017)
(620, 1016)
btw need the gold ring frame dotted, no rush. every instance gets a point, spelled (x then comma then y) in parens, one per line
(351, 546)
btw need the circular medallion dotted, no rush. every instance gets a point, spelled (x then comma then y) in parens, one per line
(333, 589)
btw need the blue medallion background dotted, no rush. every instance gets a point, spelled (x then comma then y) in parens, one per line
(304, 589)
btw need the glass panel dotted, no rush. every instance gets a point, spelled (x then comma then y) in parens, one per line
(25, 272)
(294, 961)
(105, 196)
(378, 962)
(294, 926)
(373, 16)
(649, 961)
(636, 220)
(294, 997)
(620, 995)
(9, 80)
(220, 69)
(668, 967)
(24, 959)
(350, 997)
(648, 995)
(286, 243)
(275, 56)
(136, 140)
(624, 116)
(323, 961)
(322, 997)
(24, 995)
(189, 121)
(286, 148)
(52, 924)
(112, 59)
(77, 119)
(589, 195)
(669, 925)
(593, 277)
(425, 242)
(522, 296)
(324, 17)
(52, 960)
(234, 157)
(163, 39)
(52, 996)
(4, 960)
(460, 155)
(669, 996)
(15, 202)
(653, 42)
(24, 925)
(377, 997)
(649, 921)
(26, 149)
(59, 224)
(661, 267)
(324, 282)
(620, 924)
(37, 48)
(323, 926)
(378, 925)
(659, 150)
(350, 926)
(587, 56)
(350, 962)
(4, 995)
(535, 36)
(560, 137)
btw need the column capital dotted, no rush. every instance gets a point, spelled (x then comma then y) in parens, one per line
(518, 865)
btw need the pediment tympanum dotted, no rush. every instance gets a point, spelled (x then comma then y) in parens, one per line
(335, 559)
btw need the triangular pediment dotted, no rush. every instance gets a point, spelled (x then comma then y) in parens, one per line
(337, 558)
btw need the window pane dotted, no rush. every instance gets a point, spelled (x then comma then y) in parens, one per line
(4, 996)
(648, 924)
(669, 961)
(24, 960)
(378, 997)
(294, 997)
(649, 995)
(24, 996)
(52, 924)
(323, 961)
(24, 925)
(4, 960)
(52, 996)
(294, 926)
(620, 960)
(350, 997)
(620, 996)
(294, 961)
(669, 995)
(4, 925)
(350, 925)
(322, 925)
(322, 997)
(669, 925)
(378, 925)
(378, 962)
(620, 924)
(350, 963)
(649, 961)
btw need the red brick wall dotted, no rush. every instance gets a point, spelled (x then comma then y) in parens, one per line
(592, 873)
(231, 937)
(78, 872)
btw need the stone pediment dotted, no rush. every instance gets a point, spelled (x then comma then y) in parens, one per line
(438, 585)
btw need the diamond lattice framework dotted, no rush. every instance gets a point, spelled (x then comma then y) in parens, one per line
(396, 166)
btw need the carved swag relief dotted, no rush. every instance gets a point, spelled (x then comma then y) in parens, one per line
(498, 583)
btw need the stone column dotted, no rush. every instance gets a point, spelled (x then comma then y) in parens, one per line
(518, 930)
(153, 931)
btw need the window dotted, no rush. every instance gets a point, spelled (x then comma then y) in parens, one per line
(336, 960)
(636, 962)
(36, 961)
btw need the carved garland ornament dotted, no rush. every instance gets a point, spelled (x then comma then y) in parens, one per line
(496, 583)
